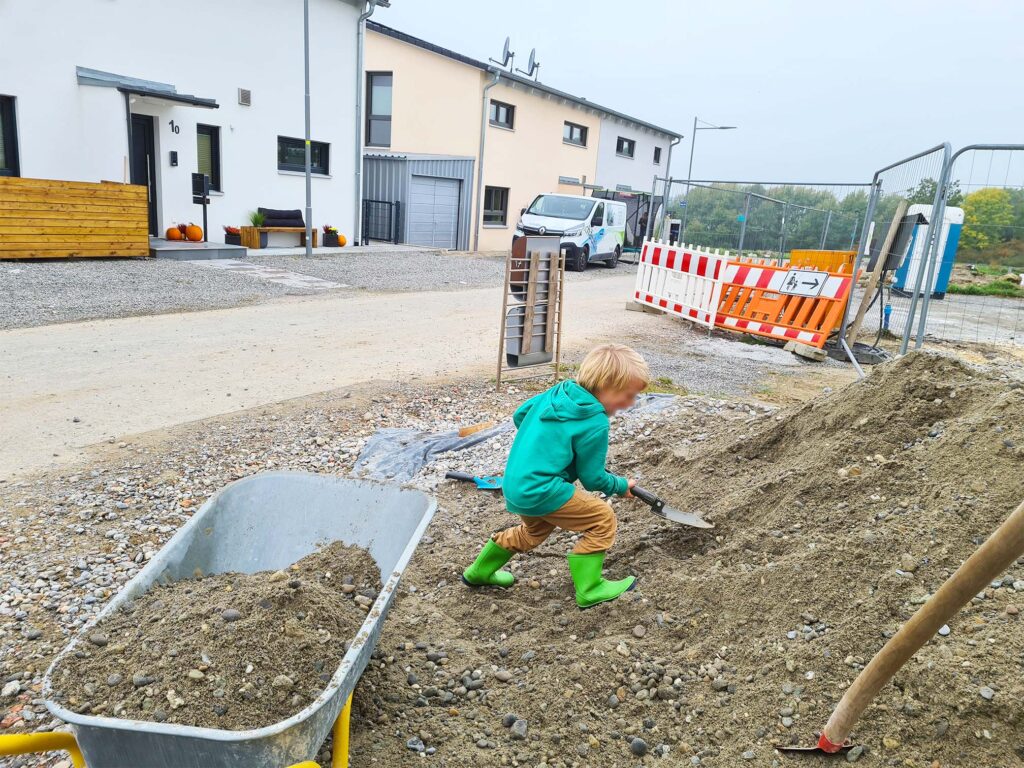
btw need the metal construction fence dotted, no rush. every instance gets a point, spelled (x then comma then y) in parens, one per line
(957, 277)
(945, 230)
(768, 219)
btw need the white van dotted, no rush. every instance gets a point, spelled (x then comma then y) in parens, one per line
(592, 229)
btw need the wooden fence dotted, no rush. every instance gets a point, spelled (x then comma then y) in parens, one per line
(44, 219)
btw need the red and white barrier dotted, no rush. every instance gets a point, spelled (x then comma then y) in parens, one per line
(682, 280)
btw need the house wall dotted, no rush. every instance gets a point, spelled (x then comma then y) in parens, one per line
(638, 172)
(529, 158)
(435, 101)
(77, 132)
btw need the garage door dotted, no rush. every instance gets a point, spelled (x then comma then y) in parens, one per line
(434, 212)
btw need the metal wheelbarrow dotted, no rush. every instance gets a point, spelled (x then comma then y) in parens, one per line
(262, 522)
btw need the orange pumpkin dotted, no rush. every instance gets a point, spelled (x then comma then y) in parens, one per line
(194, 232)
(173, 233)
(341, 240)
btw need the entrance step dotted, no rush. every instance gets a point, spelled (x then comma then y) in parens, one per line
(183, 250)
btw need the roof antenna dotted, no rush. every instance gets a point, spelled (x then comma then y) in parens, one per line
(507, 57)
(531, 66)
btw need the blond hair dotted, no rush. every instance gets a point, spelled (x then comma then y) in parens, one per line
(612, 367)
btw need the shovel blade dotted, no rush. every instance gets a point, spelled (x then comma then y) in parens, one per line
(684, 518)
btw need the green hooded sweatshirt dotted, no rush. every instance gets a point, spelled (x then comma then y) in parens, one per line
(562, 437)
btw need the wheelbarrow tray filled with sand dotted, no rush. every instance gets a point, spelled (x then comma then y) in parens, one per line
(264, 522)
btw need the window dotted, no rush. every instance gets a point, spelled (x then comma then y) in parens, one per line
(657, 155)
(502, 115)
(291, 155)
(574, 134)
(378, 109)
(598, 219)
(496, 206)
(208, 153)
(625, 147)
(8, 138)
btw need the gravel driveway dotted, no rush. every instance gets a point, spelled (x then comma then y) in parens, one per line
(45, 292)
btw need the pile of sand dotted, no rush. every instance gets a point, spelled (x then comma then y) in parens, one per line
(231, 651)
(835, 520)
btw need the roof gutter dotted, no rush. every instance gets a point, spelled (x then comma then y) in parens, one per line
(360, 44)
(484, 111)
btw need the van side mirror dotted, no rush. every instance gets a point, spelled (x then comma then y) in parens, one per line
(522, 211)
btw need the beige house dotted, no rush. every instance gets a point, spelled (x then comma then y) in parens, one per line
(436, 121)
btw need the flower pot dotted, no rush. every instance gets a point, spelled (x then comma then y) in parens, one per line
(230, 239)
(331, 240)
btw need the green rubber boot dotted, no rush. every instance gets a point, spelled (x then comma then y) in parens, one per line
(484, 570)
(591, 589)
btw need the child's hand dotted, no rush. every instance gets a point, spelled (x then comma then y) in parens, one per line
(631, 483)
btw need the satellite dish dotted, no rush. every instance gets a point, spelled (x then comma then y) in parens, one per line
(506, 54)
(532, 65)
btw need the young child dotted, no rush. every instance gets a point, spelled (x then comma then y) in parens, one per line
(563, 437)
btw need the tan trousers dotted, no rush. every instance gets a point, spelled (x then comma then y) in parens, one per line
(583, 513)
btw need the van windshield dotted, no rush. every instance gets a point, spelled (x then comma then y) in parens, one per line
(560, 207)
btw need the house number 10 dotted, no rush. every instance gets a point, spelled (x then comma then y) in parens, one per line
(174, 128)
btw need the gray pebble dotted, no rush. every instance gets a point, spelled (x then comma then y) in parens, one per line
(415, 744)
(519, 730)
(987, 693)
(98, 639)
(231, 614)
(854, 754)
(508, 720)
(139, 679)
(638, 747)
(114, 679)
(748, 755)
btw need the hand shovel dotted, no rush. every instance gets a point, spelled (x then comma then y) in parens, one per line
(483, 482)
(661, 509)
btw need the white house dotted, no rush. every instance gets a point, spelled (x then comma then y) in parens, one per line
(630, 154)
(151, 92)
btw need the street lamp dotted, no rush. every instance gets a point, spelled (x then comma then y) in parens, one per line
(689, 172)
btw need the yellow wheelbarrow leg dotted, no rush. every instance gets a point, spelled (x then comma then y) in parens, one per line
(26, 743)
(339, 755)
(339, 751)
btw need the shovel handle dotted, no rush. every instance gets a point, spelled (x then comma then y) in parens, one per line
(463, 476)
(645, 496)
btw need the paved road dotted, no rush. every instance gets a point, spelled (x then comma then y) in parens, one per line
(65, 387)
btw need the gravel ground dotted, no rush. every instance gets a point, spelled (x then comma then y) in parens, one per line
(45, 292)
(399, 271)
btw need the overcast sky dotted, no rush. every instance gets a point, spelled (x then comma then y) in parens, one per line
(821, 91)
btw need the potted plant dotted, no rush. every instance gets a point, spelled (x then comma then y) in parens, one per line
(330, 236)
(256, 219)
(232, 235)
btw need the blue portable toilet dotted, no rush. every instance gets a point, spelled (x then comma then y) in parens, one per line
(949, 239)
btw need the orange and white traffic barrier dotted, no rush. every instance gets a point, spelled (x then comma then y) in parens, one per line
(800, 305)
(681, 280)
(747, 295)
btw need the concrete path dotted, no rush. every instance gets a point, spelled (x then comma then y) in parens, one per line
(283, 277)
(65, 387)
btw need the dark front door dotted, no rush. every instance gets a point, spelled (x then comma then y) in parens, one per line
(143, 161)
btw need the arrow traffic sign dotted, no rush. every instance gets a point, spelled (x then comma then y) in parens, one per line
(803, 282)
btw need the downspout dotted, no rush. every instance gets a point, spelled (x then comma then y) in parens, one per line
(668, 175)
(484, 111)
(360, 84)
